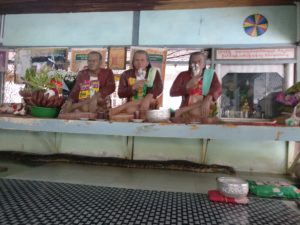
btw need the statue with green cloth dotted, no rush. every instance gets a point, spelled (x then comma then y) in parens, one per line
(199, 88)
(140, 85)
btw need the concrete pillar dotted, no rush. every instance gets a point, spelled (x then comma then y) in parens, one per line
(298, 20)
(2, 74)
(297, 75)
(218, 71)
(288, 75)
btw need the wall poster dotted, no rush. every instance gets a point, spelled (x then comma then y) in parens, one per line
(79, 58)
(117, 58)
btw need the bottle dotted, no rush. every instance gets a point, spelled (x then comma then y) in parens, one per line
(140, 77)
(262, 114)
(259, 111)
(245, 109)
(254, 113)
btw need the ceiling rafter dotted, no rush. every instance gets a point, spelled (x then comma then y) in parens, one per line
(63, 6)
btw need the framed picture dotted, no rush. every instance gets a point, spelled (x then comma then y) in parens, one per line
(117, 58)
(79, 58)
(3, 60)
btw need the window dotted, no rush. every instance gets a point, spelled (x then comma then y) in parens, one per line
(250, 94)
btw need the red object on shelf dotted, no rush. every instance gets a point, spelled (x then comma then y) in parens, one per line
(216, 196)
(58, 86)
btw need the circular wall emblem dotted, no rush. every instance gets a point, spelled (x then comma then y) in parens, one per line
(255, 25)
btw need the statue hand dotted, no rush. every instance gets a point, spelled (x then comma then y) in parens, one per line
(193, 83)
(138, 84)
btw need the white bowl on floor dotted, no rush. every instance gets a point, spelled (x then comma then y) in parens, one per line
(233, 187)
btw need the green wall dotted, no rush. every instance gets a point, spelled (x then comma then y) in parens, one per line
(219, 26)
(66, 29)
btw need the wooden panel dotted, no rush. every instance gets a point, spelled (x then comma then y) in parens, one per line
(60, 6)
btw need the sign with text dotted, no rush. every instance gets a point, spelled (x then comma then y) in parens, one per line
(255, 53)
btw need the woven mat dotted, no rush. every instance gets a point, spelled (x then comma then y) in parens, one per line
(35, 202)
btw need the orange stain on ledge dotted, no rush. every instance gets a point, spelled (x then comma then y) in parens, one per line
(194, 127)
(278, 135)
(166, 123)
(230, 125)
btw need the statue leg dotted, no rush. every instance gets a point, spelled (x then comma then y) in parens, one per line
(186, 109)
(145, 106)
(93, 104)
(125, 108)
(67, 107)
(80, 106)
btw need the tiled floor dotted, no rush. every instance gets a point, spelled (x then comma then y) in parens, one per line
(145, 179)
(149, 179)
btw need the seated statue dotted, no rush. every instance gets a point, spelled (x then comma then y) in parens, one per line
(199, 91)
(140, 85)
(92, 89)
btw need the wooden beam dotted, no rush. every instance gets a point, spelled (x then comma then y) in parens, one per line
(63, 6)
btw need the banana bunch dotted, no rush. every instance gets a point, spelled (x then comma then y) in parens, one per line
(46, 99)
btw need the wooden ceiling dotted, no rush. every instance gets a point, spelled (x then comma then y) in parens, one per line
(60, 6)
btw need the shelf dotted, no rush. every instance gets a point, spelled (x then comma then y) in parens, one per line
(167, 130)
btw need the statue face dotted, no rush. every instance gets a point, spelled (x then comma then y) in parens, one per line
(199, 60)
(94, 62)
(140, 61)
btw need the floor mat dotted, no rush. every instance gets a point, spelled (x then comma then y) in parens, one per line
(36, 202)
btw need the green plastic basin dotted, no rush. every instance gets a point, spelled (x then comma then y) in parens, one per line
(37, 111)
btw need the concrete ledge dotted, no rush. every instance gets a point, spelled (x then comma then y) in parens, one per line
(198, 131)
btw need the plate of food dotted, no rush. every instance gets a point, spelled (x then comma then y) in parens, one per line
(137, 120)
(195, 122)
(84, 118)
